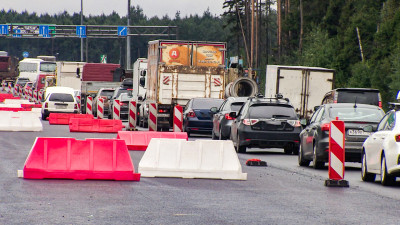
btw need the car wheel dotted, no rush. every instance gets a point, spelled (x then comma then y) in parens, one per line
(302, 161)
(288, 149)
(213, 136)
(239, 148)
(44, 116)
(365, 175)
(317, 164)
(386, 179)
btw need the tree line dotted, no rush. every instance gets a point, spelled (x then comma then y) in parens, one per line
(357, 38)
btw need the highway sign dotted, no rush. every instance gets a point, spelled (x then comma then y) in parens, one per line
(122, 31)
(43, 30)
(81, 31)
(3, 29)
(25, 54)
(17, 33)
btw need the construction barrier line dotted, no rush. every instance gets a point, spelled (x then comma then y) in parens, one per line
(152, 117)
(116, 109)
(100, 108)
(89, 105)
(139, 140)
(132, 114)
(178, 119)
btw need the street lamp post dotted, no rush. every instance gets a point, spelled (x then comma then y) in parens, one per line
(81, 24)
(128, 39)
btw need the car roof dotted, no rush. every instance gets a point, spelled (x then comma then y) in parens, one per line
(347, 105)
(356, 89)
(237, 99)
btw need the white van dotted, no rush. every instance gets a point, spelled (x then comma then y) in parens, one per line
(59, 100)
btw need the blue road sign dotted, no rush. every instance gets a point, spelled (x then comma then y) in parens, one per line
(3, 29)
(17, 33)
(43, 29)
(46, 35)
(81, 31)
(25, 54)
(122, 31)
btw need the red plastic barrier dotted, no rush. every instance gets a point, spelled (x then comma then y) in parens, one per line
(14, 109)
(4, 96)
(139, 140)
(67, 158)
(95, 125)
(63, 118)
(31, 106)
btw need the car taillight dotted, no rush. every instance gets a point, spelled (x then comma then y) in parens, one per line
(294, 123)
(228, 117)
(191, 114)
(380, 104)
(46, 105)
(75, 106)
(325, 127)
(335, 101)
(162, 110)
(250, 122)
(397, 138)
(123, 103)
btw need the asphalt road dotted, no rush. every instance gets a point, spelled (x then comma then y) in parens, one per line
(282, 193)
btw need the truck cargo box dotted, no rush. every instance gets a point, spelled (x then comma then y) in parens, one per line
(99, 71)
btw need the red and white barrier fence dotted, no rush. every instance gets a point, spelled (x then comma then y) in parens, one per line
(152, 117)
(178, 119)
(89, 105)
(116, 110)
(10, 90)
(100, 108)
(336, 155)
(40, 97)
(132, 116)
(78, 99)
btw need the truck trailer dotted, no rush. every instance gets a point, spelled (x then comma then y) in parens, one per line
(303, 86)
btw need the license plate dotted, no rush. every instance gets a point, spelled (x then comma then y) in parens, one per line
(358, 133)
(61, 106)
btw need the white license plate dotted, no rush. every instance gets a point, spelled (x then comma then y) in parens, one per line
(61, 106)
(358, 133)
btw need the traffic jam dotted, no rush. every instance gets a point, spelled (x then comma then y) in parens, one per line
(194, 123)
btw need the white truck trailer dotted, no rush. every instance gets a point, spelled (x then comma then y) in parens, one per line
(303, 86)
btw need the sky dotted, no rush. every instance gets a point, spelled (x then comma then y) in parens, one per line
(97, 7)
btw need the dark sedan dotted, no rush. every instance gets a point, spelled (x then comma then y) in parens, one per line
(221, 120)
(197, 116)
(266, 123)
(314, 139)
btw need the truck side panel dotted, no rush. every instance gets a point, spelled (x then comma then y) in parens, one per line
(320, 83)
(179, 87)
(291, 85)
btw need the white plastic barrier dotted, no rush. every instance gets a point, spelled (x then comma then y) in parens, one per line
(16, 101)
(208, 159)
(19, 121)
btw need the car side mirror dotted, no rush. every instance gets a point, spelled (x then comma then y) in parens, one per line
(316, 108)
(233, 114)
(304, 122)
(214, 109)
(140, 98)
(368, 128)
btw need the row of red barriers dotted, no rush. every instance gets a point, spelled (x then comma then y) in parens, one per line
(4, 96)
(95, 125)
(67, 158)
(63, 118)
(139, 140)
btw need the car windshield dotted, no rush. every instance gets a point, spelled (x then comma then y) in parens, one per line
(107, 93)
(235, 106)
(61, 97)
(272, 111)
(206, 103)
(48, 67)
(356, 114)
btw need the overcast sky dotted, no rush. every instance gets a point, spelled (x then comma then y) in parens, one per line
(97, 7)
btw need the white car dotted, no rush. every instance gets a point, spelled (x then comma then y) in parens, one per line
(381, 150)
(59, 100)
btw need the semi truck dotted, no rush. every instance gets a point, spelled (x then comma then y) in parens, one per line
(178, 71)
(303, 86)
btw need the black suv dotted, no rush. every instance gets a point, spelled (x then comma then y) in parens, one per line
(266, 123)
